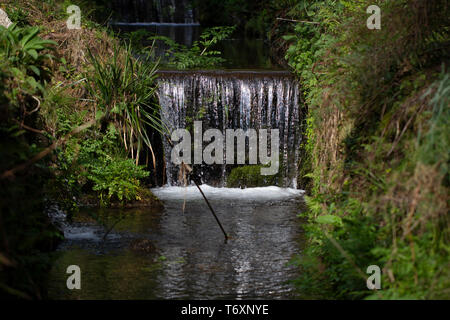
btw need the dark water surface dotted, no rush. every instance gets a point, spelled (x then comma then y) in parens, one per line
(239, 52)
(176, 255)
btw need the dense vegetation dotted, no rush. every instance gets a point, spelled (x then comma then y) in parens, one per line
(376, 154)
(377, 146)
(77, 112)
(253, 18)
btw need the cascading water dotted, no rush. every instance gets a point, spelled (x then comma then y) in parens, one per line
(233, 100)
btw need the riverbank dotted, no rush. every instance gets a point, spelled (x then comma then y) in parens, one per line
(377, 146)
(70, 135)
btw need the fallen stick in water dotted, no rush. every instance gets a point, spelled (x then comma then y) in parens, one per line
(189, 170)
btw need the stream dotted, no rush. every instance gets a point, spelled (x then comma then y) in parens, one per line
(173, 254)
(179, 252)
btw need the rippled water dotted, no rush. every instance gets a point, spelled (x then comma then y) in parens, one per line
(174, 254)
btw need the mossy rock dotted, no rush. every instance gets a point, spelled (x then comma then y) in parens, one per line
(250, 176)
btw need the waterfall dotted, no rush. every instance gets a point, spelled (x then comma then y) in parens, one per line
(233, 100)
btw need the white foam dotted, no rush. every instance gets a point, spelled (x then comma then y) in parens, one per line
(248, 194)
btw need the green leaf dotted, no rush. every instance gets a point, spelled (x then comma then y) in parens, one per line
(35, 70)
(289, 37)
(329, 219)
(33, 32)
(16, 72)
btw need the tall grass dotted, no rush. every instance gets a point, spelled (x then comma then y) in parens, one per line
(124, 88)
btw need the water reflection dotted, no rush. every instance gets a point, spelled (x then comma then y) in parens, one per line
(188, 258)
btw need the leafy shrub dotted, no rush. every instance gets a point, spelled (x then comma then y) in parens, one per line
(200, 54)
(40, 110)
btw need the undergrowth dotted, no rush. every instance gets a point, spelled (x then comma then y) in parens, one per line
(377, 147)
(201, 54)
